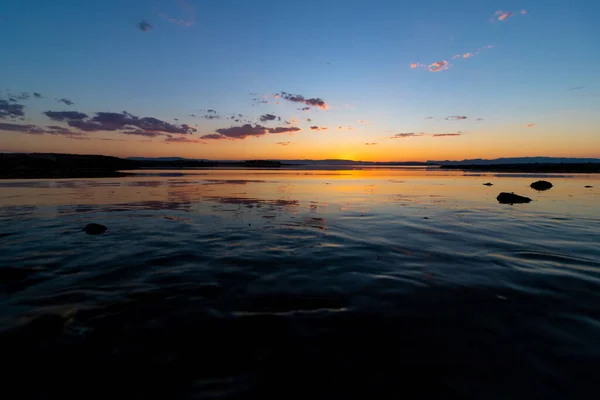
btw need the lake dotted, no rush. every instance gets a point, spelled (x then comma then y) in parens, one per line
(378, 282)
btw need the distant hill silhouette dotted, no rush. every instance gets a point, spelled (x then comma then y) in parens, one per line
(518, 160)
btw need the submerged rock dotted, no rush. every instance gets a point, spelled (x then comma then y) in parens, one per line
(488, 184)
(588, 186)
(511, 198)
(95, 229)
(541, 185)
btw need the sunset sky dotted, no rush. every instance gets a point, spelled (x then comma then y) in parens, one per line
(273, 79)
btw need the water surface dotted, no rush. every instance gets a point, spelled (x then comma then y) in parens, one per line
(383, 282)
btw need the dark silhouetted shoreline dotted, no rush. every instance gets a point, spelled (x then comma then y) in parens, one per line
(568, 168)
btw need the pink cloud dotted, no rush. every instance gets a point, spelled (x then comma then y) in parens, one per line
(523, 12)
(529, 125)
(363, 122)
(438, 66)
(467, 55)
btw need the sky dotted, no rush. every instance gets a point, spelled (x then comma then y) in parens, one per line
(268, 79)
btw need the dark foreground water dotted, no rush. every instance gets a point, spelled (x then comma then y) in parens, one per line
(300, 284)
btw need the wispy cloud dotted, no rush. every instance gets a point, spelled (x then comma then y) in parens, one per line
(182, 139)
(405, 135)
(37, 95)
(318, 128)
(363, 122)
(444, 65)
(455, 117)
(65, 101)
(11, 110)
(370, 144)
(447, 134)
(479, 119)
(467, 55)
(213, 136)
(284, 143)
(186, 17)
(312, 102)
(575, 88)
(504, 15)
(37, 130)
(529, 125)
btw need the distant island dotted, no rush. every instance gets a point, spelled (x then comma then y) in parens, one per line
(54, 165)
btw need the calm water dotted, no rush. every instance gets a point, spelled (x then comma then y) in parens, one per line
(379, 283)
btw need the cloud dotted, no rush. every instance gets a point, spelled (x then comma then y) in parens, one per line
(37, 95)
(126, 122)
(479, 119)
(413, 65)
(144, 26)
(141, 132)
(11, 110)
(318, 128)
(182, 139)
(37, 130)
(455, 117)
(428, 117)
(503, 15)
(529, 125)
(370, 144)
(454, 57)
(438, 66)
(65, 115)
(32, 129)
(284, 143)
(19, 96)
(187, 13)
(213, 136)
(244, 131)
(363, 122)
(405, 135)
(296, 98)
(575, 88)
(467, 55)
(304, 109)
(65, 101)
(267, 117)
(446, 134)
(211, 116)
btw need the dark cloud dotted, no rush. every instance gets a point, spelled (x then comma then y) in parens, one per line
(211, 111)
(193, 115)
(213, 136)
(370, 144)
(268, 117)
(405, 135)
(304, 109)
(65, 101)
(284, 130)
(309, 120)
(428, 117)
(575, 88)
(455, 117)
(65, 115)
(318, 128)
(211, 116)
(37, 130)
(296, 98)
(144, 26)
(446, 134)
(242, 132)
(32, 129)
(479, 119)
(8, 110)
(37, 95)
(110, 121)
(283, 143)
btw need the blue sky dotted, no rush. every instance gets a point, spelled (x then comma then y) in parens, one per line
(355, 55)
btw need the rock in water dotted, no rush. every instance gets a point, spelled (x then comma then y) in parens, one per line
(511, 198)
(488, 184)
(541, 185)
(588, 186)
(95, 229)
